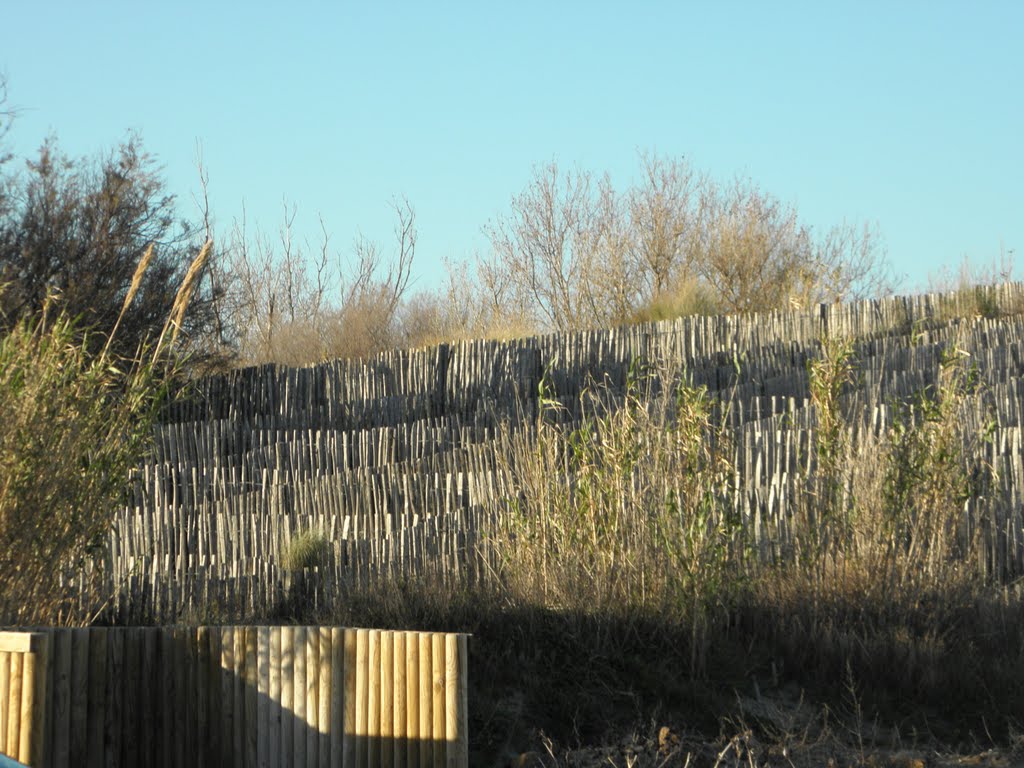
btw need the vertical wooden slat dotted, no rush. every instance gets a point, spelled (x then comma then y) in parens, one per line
(227, 696)
(153, 698)
(263, 705)
(426, 730)
(251, 694)
(387, 699)
(78, 737)
(437, 663)
(274, 720)
(201, 660)
(349, 699)
(457, 744)
(191, 685)
(165, 759)
(195, 711)
(215, 732)
(323, 709)
(312, 694)
(31, 665)
(113, 724)
(179, 745)
(399, 700)
(287, 695)
(299, 694)
(5, 689)
(373, 699)
(238, 698)
(337, 695)
(14, 706)
(61, 731)
(362, 679)
(38, 674)
(463, 701)
(412, 697)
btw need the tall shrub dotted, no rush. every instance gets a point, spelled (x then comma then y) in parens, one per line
(73, 424)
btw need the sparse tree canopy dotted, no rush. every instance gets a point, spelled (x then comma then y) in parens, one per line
(78, 228)
(298, 303)
(574, 253)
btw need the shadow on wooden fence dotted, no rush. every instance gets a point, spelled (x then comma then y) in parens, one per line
(242, 696)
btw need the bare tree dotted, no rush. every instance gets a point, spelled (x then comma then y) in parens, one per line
(373, 289)
(279, 290)
(365, 280)
(573, 253)
(613, 282)
(663, 212)
(754, 252)
(543, 250)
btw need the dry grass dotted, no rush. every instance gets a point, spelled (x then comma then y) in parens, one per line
(624, 526)
(307, 549)
(74, 425)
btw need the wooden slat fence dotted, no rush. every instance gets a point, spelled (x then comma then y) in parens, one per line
(238, 696)
(23, 664)
(398, 460)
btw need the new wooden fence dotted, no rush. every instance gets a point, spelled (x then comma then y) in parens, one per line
(23, 663)
(234, 696)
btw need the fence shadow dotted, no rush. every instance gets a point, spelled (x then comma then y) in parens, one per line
(254, 696)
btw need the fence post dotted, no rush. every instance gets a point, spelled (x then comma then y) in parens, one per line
(28, 712)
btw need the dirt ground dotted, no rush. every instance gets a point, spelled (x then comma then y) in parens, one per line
(791, 734)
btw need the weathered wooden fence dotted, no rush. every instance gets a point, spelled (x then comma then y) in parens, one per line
(234, 696)
(398, 459)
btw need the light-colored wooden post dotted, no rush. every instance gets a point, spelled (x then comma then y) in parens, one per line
(312, 694)
(14, 706)
(362, 678)
(263, 691)
(437, 663)
(32, 746)
(324, 704)
(227, 697)
(337, 724)
(387, 699)
(349, 699)
(373, 700)
(398, 730)
(274, 720)
(299, 698)
(412, 698)
(456, 737)
(426, 729)
(251, 694)
(287, 694)
(5, 689)
(463, 751)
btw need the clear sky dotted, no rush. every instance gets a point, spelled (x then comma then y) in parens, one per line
(905, 114)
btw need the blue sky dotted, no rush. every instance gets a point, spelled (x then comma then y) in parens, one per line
(905, 114)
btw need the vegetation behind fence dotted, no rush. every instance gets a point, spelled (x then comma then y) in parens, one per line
(398, 465)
